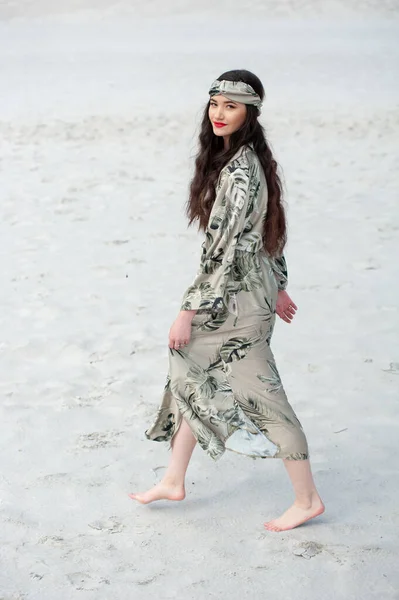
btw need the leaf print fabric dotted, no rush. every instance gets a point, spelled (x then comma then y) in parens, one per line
(226, 226)
(279, 267)
(225, 382)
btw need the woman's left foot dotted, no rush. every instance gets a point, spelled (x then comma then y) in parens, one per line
(296, 515)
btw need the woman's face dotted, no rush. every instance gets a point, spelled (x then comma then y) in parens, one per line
(223, 111)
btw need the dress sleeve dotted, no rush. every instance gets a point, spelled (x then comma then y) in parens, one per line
(279, 267)
(225, 227)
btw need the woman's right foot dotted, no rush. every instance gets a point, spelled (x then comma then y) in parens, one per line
(296, 515)
(162, 491)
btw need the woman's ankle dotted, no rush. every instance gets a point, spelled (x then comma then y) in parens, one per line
(172, 480)
(306, 501)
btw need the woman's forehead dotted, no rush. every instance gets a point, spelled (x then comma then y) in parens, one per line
(221, 98)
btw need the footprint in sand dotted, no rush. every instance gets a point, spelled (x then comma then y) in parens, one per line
(98, 439)
(110, 525)
(82, 581)
(393, 368)
(307, 549)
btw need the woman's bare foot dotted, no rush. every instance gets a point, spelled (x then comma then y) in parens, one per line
(296, 515)
(162, 491)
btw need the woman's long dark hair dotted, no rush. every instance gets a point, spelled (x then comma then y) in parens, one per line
(212, 157)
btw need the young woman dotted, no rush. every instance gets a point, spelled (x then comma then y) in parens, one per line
(223, 389)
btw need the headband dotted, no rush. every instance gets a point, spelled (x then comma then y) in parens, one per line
(238, 91)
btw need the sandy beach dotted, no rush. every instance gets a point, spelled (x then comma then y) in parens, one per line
(99, 110)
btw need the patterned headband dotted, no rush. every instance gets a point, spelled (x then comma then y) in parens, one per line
(238, 91)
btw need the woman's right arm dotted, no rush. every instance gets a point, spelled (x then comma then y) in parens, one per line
(221, 238)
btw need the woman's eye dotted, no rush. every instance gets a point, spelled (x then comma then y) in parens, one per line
(227, 105)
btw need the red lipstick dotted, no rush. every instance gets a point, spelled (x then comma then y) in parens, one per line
(216, 124)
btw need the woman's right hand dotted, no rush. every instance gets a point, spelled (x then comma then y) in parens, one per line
(180, 332)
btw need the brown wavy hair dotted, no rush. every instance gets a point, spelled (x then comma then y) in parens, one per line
(212, 157)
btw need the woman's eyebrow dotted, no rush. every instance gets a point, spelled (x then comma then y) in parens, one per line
(225, 101)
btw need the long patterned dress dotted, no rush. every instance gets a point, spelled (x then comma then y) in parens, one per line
(225, 382)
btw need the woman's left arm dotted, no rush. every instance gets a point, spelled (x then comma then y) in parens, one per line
(280, 271)
(285, 307)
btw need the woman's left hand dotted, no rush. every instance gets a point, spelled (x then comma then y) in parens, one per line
(285, 307)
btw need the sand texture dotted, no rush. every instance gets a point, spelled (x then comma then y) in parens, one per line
(99, 112)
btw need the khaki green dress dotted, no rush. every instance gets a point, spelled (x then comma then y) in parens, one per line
(225, 382)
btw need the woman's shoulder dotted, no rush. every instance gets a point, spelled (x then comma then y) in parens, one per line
(243, 166)
(243, 162)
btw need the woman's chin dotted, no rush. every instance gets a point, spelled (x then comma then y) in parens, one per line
(219, 132)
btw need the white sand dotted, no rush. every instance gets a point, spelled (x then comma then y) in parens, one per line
(98, 115)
